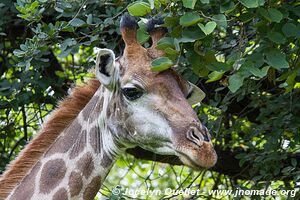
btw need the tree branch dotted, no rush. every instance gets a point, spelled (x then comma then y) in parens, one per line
(227, 163)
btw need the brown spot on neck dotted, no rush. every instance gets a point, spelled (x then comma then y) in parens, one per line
(106, 161)
(92, 188)
(75, 183)
(61, 194)
(79, 145)
(86, 164)
(52, 174)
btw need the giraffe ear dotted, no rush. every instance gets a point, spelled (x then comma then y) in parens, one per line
(196, 95)
(106, 71)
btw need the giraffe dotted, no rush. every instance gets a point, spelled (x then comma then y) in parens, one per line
(127, 105)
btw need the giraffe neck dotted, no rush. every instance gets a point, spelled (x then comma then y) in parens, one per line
(76, 164)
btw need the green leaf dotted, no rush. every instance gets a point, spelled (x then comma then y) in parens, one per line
(60, 74)
(198, 66)
(19, 53)
(67, 43)
(235, 82)
(64, 53)
(171, 21)
(257, 59)
(214, 76)
(189, 19)
(227, 7)
(220, 19)
(272, 14)
(23, 47)
(241, 156)
(250, 3)
(290, 81)
(291, 30)
(294, 162)
(208, 28)
(261, 2)
(218, 66)
(276, 59)
(275, 15)
(151, 2)
(171, 51)
(89, 19)
(246, 16)
(161, 64)
(58, 9)
(197, 95)
(204, 1)
(276, 37)
(259, 73)
(34, 5)
(295, 10)
(142, 36)
(287, 170)
(191, 34)
(139, 8)
(242, 162)
(42, 35)
(77, 22)
(164, 43)
(189, 3)
(263, 12)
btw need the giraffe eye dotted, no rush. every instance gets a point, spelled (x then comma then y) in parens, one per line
(132, 93)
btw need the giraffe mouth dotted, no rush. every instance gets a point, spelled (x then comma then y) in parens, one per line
(188, 161)
(200, 158)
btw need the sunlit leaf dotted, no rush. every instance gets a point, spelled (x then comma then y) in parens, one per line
(208, 28)
(214, 76)
(161, 64)
(139, 8)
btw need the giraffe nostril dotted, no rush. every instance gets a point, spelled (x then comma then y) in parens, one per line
(198, 136)
(195, 136)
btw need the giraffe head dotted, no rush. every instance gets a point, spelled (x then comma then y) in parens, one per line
(152, 109)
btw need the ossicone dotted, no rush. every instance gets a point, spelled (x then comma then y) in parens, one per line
(156, 31)
(128, 26)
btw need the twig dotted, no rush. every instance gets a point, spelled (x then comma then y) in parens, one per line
(79, 10)
(15, 146)
(24, 122)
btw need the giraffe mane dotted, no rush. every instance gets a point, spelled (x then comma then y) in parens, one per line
(60, 118)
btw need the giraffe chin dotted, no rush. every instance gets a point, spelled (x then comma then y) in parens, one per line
(201, 158)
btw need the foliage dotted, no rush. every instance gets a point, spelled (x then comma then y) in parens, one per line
(243, 53)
